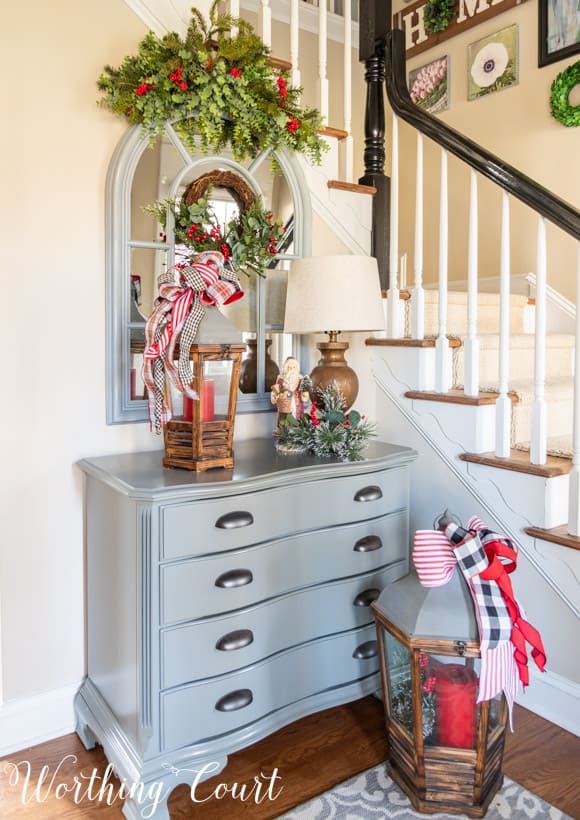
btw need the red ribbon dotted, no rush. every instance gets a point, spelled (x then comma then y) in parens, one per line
(522, 631)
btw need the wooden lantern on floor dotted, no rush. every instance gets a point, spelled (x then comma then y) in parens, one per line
(200, 433)
(445, 751)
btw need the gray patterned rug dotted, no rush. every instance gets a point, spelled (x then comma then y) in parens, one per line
(372, 795)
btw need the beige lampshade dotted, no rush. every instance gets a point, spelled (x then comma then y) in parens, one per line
(328, 293)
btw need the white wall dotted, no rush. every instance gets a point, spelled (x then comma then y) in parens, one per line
(57, 145)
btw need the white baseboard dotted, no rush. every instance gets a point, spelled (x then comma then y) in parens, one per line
(36, 719)
(554, 698)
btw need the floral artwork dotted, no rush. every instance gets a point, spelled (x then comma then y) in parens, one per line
(492, 63)
(429, 85)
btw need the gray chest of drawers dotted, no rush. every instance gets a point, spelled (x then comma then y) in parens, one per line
(224, 605)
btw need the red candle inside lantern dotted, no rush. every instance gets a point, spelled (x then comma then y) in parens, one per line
(208, 400)
(456, 710)
(208, 410)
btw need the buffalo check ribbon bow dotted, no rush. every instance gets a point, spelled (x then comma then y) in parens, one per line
(485, 559)
(184, 293)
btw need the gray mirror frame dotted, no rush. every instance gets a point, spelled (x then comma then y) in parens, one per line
(119, 408)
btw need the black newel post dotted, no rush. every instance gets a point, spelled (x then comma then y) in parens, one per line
(375, 22)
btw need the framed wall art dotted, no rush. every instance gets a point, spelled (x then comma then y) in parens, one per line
(558, 30)
(429, 85)
(492, 63)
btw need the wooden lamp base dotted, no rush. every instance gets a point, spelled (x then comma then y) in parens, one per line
(333, 367)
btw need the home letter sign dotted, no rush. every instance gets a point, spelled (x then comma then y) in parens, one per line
(469, 13)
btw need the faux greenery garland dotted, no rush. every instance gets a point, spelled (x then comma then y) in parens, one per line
(327, 431)
(249, 240)
(219, 88)
(560, 107)
(438, 14)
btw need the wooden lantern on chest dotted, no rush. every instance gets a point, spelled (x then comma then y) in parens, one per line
(200, 433)
(445, 750)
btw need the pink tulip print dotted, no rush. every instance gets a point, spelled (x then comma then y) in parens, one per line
(428, 85)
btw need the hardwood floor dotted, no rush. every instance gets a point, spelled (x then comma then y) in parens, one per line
(311, 756)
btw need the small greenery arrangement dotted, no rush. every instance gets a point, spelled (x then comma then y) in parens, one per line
(249, 240)
(217, 89)
(568, 115)
(438, 14)
(327, 431)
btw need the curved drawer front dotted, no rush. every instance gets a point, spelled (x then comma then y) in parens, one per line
(203, 527)
(208, 648)
(207, 586)
(204, 710)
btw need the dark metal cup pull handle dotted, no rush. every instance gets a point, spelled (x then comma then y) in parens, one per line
(235, 640)
(235, 700)
(366, 597)
(368, 544)
(370, 493)
(233, 520)
(365, 651)
(234, 578)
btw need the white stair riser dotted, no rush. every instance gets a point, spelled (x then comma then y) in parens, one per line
(559, 363)
(558, 418)
(487, 320)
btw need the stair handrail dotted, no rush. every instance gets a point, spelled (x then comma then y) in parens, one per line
(527, 190)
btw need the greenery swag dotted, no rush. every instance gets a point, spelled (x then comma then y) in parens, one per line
(249, 240)
(214, 86)
(560, 107)
(327, 431)
(438, 14)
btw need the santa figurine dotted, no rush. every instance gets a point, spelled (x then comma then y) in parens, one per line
(290, 393)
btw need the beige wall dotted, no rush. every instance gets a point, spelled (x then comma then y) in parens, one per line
(59, 145)
(516, 125)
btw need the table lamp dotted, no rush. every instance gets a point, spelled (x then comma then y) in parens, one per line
(332, 294)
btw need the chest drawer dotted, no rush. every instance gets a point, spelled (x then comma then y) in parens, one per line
(199, 711)
(205, 649)
(229, 523)
(213, 584)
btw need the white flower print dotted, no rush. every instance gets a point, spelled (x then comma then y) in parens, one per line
(489, 64)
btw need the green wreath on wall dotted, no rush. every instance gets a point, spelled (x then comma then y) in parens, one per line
(560, 107)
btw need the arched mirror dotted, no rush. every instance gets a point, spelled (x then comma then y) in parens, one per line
(139, 249)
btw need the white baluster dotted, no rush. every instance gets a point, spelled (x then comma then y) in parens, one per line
(538, 443)
(504, 404)
(442, 350)
(471, 386)
(294, 41)
(265, 22)
(235, 12)
(322, 59)
(574, 502)
(347, 143)
(418, 294)
(393, 310)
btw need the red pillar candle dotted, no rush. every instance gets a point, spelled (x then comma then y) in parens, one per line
(187, 408)
(208, 400)
(456, 710)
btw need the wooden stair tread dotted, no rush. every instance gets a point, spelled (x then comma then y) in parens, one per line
(282, 65)
(329, 131)
(519, 462)
(372, 342)
(339, 185)
(557, 535)
(457, 396)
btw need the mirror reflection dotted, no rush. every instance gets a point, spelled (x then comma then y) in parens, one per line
(260, 314)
